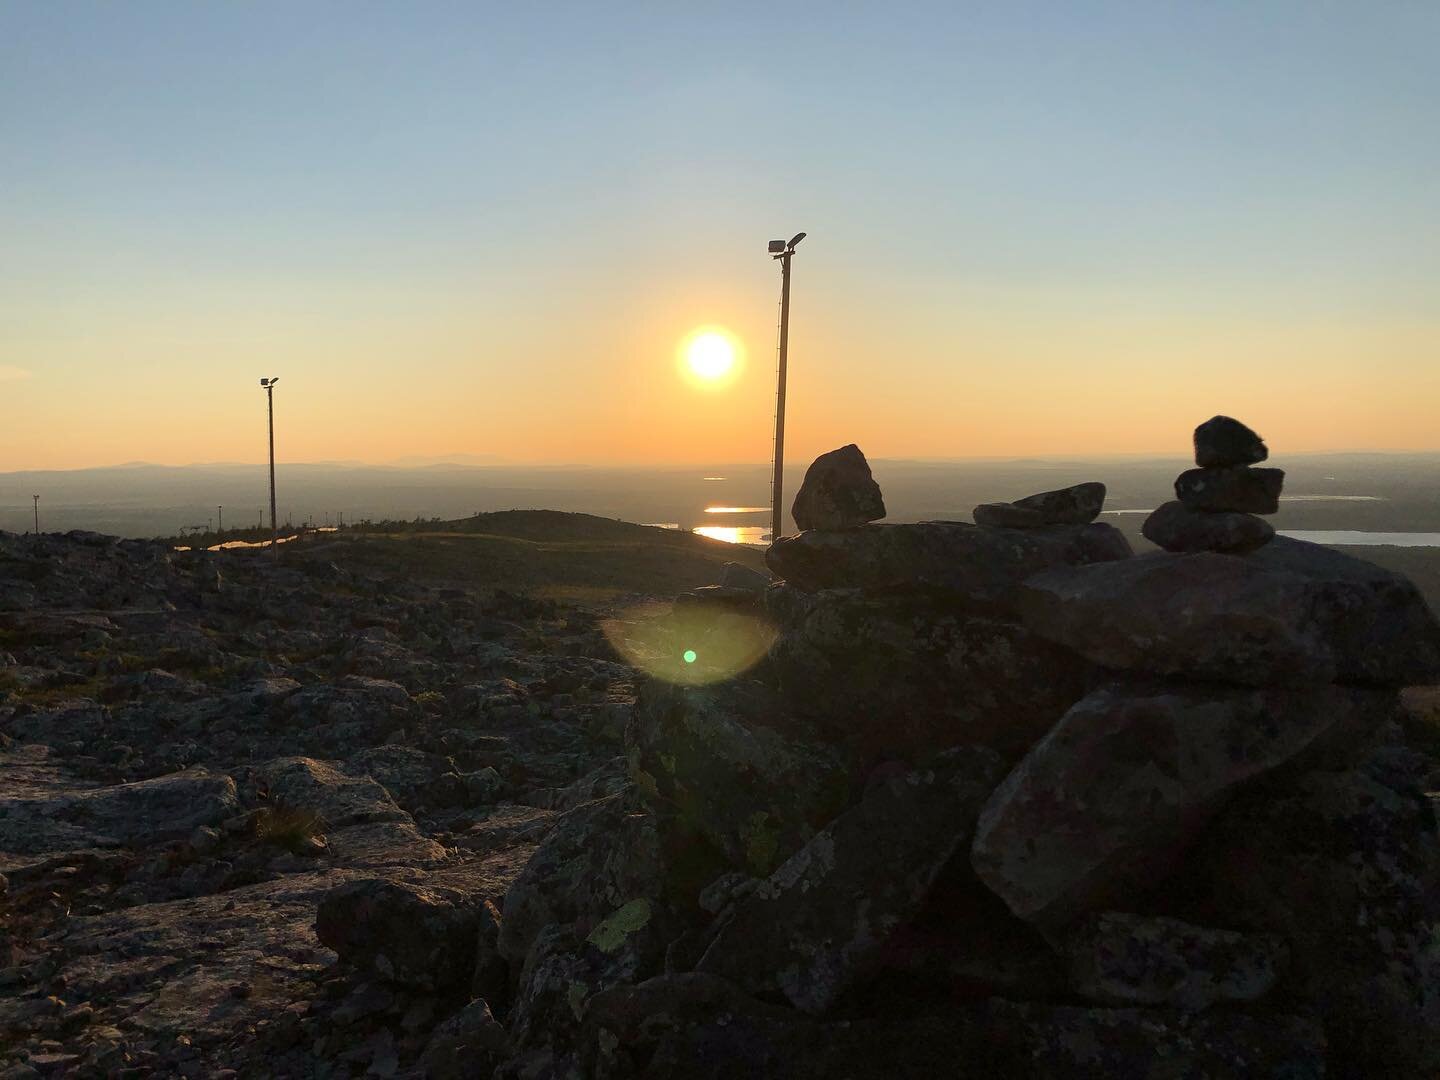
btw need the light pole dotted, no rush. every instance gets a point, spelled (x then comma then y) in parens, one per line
(269, 385)
(782, 250)
(219, 520)
(37, 513)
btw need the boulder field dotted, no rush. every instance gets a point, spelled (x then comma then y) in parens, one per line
(997, 799)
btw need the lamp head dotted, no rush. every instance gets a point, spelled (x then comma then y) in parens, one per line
(796, 238)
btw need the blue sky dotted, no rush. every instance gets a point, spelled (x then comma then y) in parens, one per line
(413, 208)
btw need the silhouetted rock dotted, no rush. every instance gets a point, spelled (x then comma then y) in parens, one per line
(403, 932)
(974, 566)
(714, 757)
(838, 492)
(1374, 620)
(1222, 441)
(1237, 488)
(1105, 804)
(819, 923)
(1075, 505)
(1347, 870)
(904, 675)
(1176, 527)
(1123, 959)
(1290, 612)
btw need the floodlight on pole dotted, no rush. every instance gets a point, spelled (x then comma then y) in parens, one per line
(781, 250)
(269, 386)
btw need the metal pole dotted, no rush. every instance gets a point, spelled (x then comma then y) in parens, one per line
(777, 483)
(37, 514)
(220, 519)
(274, 529)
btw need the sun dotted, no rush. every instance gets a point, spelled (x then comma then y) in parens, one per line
(710, 356)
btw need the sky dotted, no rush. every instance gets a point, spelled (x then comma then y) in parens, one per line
(1033, 228)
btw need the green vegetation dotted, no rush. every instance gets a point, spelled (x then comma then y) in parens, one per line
(300, 832)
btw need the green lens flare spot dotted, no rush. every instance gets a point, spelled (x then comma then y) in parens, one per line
(689, 655)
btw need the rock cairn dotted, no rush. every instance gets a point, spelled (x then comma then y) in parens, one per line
(1007, 794)
(1216, 504)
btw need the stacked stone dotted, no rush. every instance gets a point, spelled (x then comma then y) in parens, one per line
(1091, 813)
(1076, 505)
(1216, 504)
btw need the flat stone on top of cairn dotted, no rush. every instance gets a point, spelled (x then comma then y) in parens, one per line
(838, 492)
(1078, 504)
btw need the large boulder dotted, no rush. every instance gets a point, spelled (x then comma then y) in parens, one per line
(1223, 440)
(1290, 612)
(973, 565)
(598, 858)
(838, 492)
(410, 934)
(1103, 807)
(706, 756)
(1175, 527)
(819, 924)
(1238, 488)
(1118, 958)
(1346, 868)
(1079, 504)
(904, 675)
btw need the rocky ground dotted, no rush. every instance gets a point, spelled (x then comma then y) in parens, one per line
(544, 796)
(195, 749)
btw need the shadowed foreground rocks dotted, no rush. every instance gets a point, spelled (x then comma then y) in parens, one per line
(999, 799)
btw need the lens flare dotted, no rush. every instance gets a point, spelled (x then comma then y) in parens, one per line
(691, 645)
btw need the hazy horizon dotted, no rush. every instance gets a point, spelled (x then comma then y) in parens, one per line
(151, 500)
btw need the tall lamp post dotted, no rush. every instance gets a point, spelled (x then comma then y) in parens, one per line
(782, 250)
(37, 513)
(269, 385)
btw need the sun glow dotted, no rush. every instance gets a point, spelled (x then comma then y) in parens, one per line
(710, 356)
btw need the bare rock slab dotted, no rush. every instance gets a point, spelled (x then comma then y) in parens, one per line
(1223, 440)
(302, 783)
(819, 923)
(1176, 527)
(1290, 612)
(1078, 504)
(1237, 488)
(1105, 805)
(139, 814)
(973, 565)
(838, 492)
(1117, 958)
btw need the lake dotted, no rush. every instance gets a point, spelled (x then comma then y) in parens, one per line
(1359, 537)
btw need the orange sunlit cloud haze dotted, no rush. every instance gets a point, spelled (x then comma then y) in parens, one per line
(450, 229)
